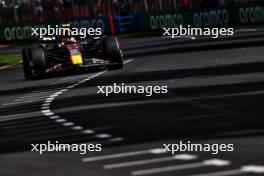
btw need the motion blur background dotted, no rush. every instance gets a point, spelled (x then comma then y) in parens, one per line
(215, 90)
(125, 16)
(30, 10)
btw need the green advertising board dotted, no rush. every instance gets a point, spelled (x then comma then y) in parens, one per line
(249, 15)
(10, 32)
(229, 16)
(13, 31)
(159, 20)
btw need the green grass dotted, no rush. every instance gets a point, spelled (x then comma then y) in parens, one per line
(9, 59)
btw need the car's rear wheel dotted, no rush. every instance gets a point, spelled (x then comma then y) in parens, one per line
(112, 52)
(34, 62)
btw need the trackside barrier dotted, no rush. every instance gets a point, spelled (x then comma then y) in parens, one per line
(10, 32)
(216, 16)
(112, 25)
(123, 23)
(220, 16)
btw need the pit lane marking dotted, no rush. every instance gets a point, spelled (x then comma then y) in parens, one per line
(48, 113)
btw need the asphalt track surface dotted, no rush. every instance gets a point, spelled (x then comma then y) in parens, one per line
(215, 96)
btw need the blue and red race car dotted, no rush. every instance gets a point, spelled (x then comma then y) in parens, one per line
(55, 54)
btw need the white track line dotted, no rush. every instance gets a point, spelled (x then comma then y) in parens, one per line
(19, 116)
(166, 169)
(223, 173)
(185, 157)
(206, 163)
(31, 99)
(142, 102)
(125, 154)
(128, 61)
(46, 110)
(61, 82)
(37, 95)
(21, 103)
(253, 169)
(46, 91)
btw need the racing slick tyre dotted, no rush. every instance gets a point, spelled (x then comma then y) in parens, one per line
(34, 62)
(26, 64)
(112, 52)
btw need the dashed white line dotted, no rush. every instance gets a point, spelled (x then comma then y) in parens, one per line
(71, 87)
(255, 169)
(167, 169)
(151, 161)
(48, 113)
(68, 124)
(65, 80)
(20, 103)
(20, 116)
(34, 96)
(54, 117)
(222, 173)
(128, 61)
(46, 91)
(44, 107)
(38, 94)
(212, 162)
(46, 104)
(61, 120)
(48, 100)
(31, 99)
(88, 132)
(103, 136)
(69, 78)
(125, 154)
(77, 128)
(117, 139)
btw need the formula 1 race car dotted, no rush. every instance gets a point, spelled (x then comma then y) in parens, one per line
(57, 54)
